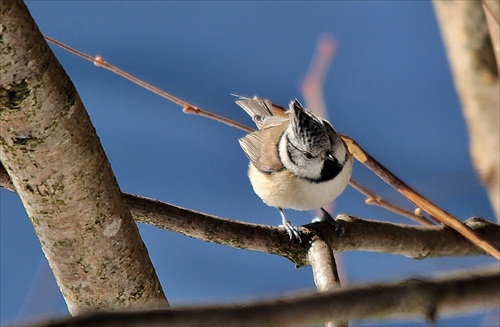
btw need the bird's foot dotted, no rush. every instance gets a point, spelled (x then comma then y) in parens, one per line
(292, 230)
(326, 217)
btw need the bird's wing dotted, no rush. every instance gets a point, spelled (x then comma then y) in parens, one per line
(263, 154)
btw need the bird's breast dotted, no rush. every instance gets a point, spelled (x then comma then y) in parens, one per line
(285, 190)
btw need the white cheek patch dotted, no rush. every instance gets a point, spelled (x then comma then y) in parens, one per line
(310, 170)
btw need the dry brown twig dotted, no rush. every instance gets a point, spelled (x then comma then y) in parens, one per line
(374, 199)
(361, 155)
(437, 213)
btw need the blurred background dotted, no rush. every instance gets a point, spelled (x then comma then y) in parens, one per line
(389, 88)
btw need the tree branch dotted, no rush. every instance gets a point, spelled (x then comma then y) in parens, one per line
(416, 242)
(360, 234)
(321, 258)
(418, 298)
(50, 149)
(324, 267)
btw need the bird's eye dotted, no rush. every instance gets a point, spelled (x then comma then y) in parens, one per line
(308, 155)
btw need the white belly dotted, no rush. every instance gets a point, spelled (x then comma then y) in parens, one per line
(284, 190)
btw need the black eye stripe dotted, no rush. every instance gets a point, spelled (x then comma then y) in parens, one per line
(289, 149)
(292, 145)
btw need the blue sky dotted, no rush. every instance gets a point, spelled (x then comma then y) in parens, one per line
(389, 88)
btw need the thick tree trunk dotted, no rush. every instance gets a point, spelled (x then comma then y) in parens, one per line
(58, 167)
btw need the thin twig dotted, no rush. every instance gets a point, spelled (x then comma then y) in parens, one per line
(188, 107)
(361, 155)
(222, 119)
(436, 213)
(374, 199)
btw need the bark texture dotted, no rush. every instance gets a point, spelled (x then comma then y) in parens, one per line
(473, 64)
(429, 299)
(59, 169)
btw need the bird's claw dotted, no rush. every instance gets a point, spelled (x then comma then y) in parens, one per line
(326, 217)
(292, 231)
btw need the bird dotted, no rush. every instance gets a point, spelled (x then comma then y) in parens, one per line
(297, 160)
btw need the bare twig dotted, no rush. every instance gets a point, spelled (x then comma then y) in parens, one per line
(365, 235)
(412, 195)
(362, 156)
(188, 107)
(419, 298)
(374, 199)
